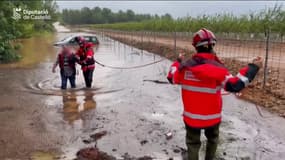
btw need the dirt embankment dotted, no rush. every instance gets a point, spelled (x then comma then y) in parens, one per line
(271, 98)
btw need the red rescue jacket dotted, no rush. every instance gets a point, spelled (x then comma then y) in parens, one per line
(202, 78)
(85, 54)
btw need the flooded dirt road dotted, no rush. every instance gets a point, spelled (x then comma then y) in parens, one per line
(132, 114)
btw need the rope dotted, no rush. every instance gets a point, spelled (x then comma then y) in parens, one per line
(156, 81)
(132, 67)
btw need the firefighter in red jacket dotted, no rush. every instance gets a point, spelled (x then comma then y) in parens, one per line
(85, 57)
(201, 78)
(66, 61)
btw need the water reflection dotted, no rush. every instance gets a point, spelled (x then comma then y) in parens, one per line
(89, 102)
(34, 51)
(70, 107)
(74, 106)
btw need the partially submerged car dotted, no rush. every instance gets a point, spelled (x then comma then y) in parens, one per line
(70, 40)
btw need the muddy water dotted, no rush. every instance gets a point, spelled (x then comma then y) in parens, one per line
(22, 128)
(135, 114)
(34, 50)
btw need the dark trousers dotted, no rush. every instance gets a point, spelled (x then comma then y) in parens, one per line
(193, 141)
(64, 80)
(88, 76)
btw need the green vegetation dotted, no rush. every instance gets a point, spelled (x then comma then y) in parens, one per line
(97, 15)
(11, 29)
(273, 19)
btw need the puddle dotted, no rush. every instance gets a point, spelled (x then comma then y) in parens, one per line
(66, 116)
(42, 156)
(34, 51)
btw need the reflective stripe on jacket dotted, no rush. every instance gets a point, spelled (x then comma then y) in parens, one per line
(202, 78)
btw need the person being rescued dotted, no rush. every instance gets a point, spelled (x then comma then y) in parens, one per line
(85, 57)
(66, 61)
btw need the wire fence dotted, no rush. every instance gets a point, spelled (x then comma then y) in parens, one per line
(233, 48)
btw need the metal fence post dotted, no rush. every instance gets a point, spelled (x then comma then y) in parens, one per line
(154, 34)
(175, 42)
(141, 36)
(142, 41)
(266, 58)
(131, 38)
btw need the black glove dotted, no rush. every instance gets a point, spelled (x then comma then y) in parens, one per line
(90, 61)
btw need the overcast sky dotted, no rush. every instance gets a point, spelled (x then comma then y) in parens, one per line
(175, 8)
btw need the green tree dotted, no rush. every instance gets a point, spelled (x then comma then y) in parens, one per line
(100, 16)
(11, 29)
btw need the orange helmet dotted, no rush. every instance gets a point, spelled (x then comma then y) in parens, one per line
(204, 37)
